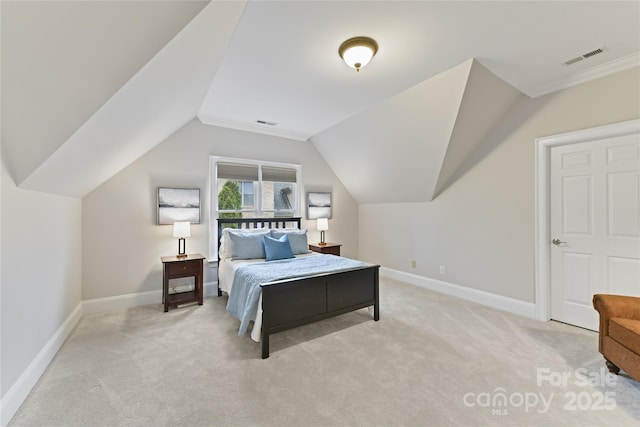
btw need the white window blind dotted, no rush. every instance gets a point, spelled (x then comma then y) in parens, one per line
(278, 174)
(238, 172)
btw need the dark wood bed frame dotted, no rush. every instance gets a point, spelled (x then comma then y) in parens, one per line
(295, 302)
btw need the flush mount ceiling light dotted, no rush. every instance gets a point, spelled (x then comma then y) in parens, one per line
(358, 51)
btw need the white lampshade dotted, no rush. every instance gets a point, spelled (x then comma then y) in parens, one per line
(182, 229)
(358, 51)
(323, 224)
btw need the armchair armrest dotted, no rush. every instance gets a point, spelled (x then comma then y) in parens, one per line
(621, 306)
(616, 306)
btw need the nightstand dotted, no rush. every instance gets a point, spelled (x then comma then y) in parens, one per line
(327, 248)
(175, 267)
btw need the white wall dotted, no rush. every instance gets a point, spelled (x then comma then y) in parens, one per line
(122, 244)
(482, 227)
(40, 281)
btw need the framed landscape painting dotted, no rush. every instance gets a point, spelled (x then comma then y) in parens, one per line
(178, 204)
(318, 205)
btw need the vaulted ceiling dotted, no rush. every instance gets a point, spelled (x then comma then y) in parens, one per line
(88, 87)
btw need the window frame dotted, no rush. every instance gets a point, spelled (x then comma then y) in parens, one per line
(257, 193)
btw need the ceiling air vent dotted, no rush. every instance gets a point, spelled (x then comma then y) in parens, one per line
(264, 122)
(585, 56)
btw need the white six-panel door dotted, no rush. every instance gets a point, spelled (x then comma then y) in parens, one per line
(594, 225)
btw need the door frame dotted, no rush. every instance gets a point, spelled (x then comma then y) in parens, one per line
(542, 239)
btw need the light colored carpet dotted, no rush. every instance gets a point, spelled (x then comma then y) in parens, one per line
(431, 360)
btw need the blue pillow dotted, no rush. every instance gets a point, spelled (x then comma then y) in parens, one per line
(247, 245)
(297, 239)
(277, 248)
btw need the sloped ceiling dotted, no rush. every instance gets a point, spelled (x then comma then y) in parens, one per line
(88, 87)
(485, 102)
(406, 148)
(62, 61)
(162, 97)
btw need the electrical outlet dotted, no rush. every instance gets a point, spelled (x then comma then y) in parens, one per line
(413, 263)
(443, 269)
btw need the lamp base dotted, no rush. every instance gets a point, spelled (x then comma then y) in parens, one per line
(182, 248)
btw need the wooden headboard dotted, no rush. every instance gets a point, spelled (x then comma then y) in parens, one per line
(240, 223)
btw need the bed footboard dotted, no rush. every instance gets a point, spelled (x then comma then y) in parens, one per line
(294, 302)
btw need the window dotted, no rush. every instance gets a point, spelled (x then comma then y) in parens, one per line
(279, 185)
(246, 194)
(252, 189)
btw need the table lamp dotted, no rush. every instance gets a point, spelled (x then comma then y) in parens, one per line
(322, 225)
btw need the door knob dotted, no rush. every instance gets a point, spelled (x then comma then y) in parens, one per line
(558, 242)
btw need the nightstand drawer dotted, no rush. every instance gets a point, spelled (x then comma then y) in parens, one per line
(184, 267)
(333, 250)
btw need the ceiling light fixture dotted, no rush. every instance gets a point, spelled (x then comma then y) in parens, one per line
(358, 51)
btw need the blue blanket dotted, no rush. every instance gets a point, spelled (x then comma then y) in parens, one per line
(246, 290)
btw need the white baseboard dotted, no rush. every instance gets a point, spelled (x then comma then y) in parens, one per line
(511, 305)
(211, 289)
(19, 391)
(120, 302)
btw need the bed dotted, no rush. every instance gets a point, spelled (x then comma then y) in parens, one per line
(293, 299)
